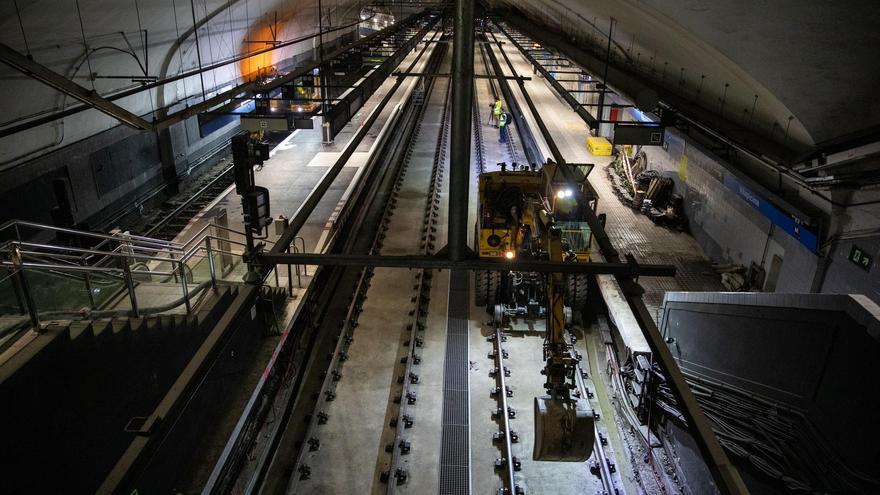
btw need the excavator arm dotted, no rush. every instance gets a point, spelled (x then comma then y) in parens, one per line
(564, 429)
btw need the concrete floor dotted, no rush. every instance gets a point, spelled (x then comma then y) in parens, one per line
(422, 463)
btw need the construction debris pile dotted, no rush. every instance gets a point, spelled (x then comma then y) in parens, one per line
(646, 191)
(738, 278)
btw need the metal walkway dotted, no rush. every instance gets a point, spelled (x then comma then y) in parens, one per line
(455, 447)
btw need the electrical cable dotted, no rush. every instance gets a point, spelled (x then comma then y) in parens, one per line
(146, 63)
(778, 440)
(27, 48)
(207, 24)
(85, 45)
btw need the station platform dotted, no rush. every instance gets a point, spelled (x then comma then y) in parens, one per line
(300, 161)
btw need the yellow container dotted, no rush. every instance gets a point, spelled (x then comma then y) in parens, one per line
(598, 146)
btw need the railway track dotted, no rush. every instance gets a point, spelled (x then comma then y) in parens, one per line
(288, 464)
(507, 464)
(174, 215)
(371, 324)
(398, 416)
(168, 219)
(405, 397)
(601, 464)
(510, 144)
(264, 452)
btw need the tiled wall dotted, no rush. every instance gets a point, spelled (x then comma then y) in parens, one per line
(844, 276)
(729, 229)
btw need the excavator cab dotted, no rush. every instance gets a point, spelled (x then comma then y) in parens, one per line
(564, 423)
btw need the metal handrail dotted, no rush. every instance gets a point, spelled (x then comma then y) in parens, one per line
(135, 241)
(47, 266)
(112, 254)
(100, 258)
(83, 233)
(89, 251)
(12, 273)
(60, 258)
(197, 234)
(61, 271)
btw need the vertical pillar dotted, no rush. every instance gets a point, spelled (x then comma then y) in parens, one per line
(166, 156)
(603, 126)
(325, 107)
(462, 101)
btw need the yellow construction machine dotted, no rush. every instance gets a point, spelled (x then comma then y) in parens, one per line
(541, 215)
(516, 211)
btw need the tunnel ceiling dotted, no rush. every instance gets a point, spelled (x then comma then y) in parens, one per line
(816, 61)
(813, 65)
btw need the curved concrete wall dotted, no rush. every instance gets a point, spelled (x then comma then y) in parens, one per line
(107, 165)
(811, 60)
(114, 38)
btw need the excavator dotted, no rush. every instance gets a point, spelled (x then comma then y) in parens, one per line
(540, 215)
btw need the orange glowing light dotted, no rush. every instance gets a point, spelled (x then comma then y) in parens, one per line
(252, 66)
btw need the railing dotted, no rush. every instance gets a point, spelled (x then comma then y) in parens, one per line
(92, 274)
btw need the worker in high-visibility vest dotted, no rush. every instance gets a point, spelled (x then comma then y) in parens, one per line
(496, 111)
(502, 127)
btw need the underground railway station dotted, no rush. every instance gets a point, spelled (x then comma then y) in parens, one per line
(456, 247)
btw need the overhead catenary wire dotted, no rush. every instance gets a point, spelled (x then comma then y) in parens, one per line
(192, 6)
(207, 24)
(27, 47)
(145, 66)
(85, 44)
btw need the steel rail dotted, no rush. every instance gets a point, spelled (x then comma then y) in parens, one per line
(604, 469)
(301, 333)
(175, 212)
(287, 393)
(509, 481)
(532, 152)
(367, 195)
(511, 147)
(554, 150)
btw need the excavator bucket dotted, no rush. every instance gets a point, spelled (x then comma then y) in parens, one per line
(564, 430)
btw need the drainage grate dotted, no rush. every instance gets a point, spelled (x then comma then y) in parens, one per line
(455, 444)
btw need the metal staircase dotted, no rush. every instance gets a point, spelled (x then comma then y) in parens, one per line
(53, 273)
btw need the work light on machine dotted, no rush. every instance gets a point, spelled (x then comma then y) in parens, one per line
(564, 193)
(509, 255)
